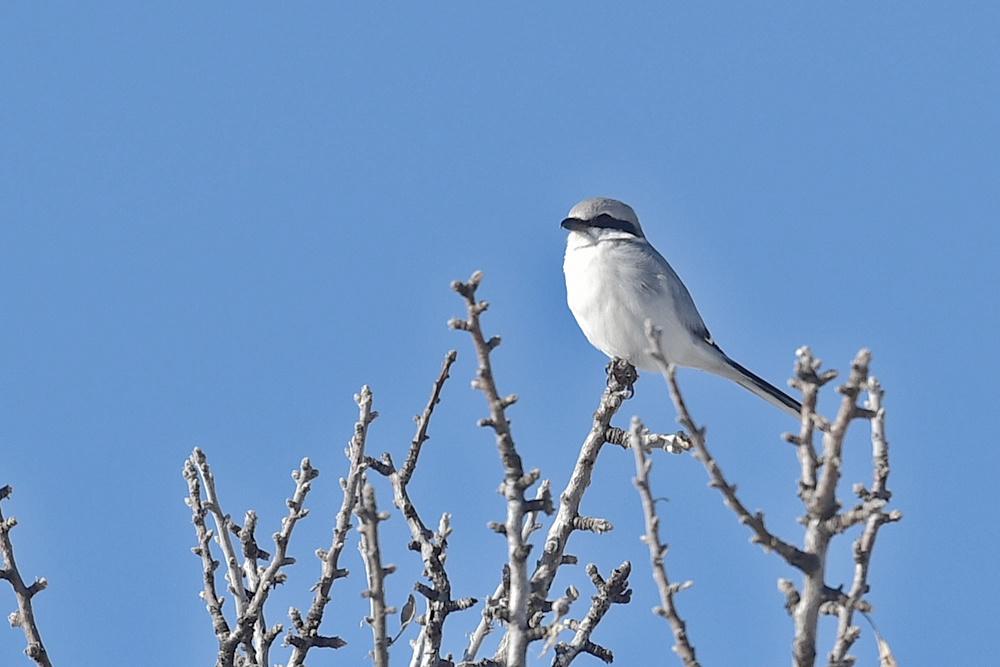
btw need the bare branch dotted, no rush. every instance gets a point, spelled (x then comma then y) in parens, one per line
(250, 631)
(24, 617)
(520, 603)
(541, 504)
(817, 489)
(821, 506)
(873, 518)
(570, 499)
(825, 503)
(229, 639)
(880, 447)
(432, 546)
(674, 443)
(263, 637)
(423, 420)
(204, 550)
(770, 542)
(304, 633)
(808, 381)
(523, 613)
(515, 480)
(369, 518)
(485, 626)
(223, 528)
(272, 575)
(560, 607)
(484, 375)
(613, 591)
(657, 551)
(543, 496)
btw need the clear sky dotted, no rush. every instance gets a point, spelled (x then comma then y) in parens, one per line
(217, 221)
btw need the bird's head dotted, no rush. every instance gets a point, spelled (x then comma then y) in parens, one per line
(601, 218)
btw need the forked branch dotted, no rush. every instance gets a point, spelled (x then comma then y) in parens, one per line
(24, 617)
(657, 551)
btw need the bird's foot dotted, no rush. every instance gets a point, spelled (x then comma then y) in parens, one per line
(622, 375)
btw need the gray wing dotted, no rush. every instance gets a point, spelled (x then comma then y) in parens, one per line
(667, 281)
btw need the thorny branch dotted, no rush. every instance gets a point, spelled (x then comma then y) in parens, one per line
(24, 617)
(682, 647)
(304, 634)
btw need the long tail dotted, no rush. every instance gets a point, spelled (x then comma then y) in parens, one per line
(764, 389)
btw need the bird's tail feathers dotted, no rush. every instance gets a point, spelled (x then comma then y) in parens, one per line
(764, 389)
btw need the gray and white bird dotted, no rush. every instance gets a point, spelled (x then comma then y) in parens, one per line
(615, 281)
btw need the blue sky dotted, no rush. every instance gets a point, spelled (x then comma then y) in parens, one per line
(218, 221)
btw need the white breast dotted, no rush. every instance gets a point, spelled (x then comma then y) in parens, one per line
(612, 287)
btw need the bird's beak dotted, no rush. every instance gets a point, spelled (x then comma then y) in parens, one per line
(574, 224)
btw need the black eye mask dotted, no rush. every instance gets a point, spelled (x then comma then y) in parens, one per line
(603, 221)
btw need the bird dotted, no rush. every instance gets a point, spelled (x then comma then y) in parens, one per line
(616, 281)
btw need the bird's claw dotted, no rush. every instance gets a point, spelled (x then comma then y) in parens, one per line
(622, 375)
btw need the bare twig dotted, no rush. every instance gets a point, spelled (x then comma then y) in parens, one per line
(424, 419)
(369, 518)
(818, 481)
(24, 617)
(485, 627)
(565, 522)
(431, 545)
(271, 576)
(672, 443)
(873, 518)
(795, 557)
(213, 602)
(263, 637)
(824, 503)
(560, 608)
(515, 480)
(613, 591)
(682, 647)
(880, 447)
(821, 506)
(304, 633)
(223, 527)
(249, 631)
(808, 380)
